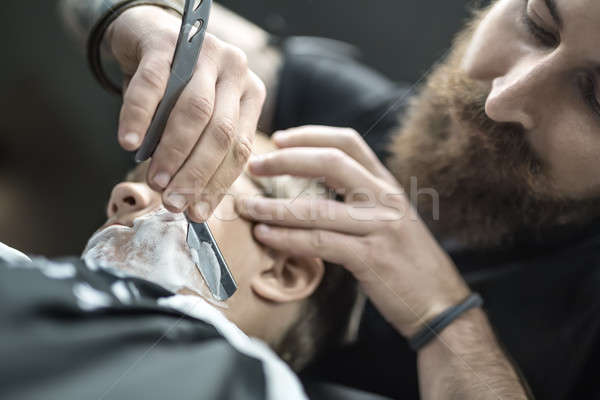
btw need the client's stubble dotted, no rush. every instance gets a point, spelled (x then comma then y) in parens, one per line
(491, 184)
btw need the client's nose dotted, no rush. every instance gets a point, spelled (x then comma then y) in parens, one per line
(127, 198)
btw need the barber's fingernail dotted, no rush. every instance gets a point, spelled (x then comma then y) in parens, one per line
(279, 136)
(162, 179)
(131, 139)
(256, 163)
(201, 210)
(262, 229)
(257, 158)
(176, 200)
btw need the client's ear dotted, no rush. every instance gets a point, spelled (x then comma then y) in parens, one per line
(288, 278)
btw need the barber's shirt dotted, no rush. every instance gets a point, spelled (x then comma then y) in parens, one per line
(542, 296)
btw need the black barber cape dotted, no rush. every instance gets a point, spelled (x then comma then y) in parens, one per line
(67, 332)
(70, 332)
(542, 296)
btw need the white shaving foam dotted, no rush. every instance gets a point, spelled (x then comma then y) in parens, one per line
(212, 270)
(89, 298)
(154, 249)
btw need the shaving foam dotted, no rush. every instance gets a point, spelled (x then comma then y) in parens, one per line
(154, 249)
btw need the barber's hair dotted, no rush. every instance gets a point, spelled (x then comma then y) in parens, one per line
(330, 317)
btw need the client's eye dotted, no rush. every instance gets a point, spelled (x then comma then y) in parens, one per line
(587, 85)
(541, 35)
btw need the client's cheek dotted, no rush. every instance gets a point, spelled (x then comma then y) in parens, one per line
(228, 228)
(230, 236)
(237, 245)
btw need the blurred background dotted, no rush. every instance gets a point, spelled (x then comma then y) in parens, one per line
(59, 156)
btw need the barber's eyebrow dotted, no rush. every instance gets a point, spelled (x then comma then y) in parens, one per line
(551, 4)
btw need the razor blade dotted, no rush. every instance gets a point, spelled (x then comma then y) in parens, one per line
(210, 261)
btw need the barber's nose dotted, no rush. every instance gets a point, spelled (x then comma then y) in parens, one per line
(516, 96)
(127, 198)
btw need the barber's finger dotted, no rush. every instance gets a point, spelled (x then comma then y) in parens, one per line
(346, 139)
(210, 151)
(232, 167)
(145, 90)
(341, 172)
(186, 124)
(330, 246)
(314, 214)
(235, 161)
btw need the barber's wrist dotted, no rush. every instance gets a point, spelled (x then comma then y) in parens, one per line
(107, 40)
(434, 327)
(433, 306)
(468, 333)
(467, 336)
(102, 35)
(469, 318)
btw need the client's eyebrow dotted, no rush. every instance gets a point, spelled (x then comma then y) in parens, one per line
(551, 4)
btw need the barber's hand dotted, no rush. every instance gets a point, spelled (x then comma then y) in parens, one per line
(209, 135)
(374, 233)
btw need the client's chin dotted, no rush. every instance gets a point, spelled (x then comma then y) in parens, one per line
(154, 249)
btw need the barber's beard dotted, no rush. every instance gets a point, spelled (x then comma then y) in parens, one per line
(491, 184)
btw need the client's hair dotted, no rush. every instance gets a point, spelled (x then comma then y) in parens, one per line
(331, 315)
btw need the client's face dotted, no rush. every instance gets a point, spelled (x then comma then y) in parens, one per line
(142, 238)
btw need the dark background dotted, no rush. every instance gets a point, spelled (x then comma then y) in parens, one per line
(58, 152)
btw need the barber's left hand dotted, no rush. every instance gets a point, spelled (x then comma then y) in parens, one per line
(375, 233)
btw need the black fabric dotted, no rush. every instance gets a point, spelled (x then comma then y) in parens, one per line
(328, 391)
(56, 344)
(542, 296)
(321, 84)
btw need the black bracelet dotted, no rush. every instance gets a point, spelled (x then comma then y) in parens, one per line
(94, 43)
(437, 325)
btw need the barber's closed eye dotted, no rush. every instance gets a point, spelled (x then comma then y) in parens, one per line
(587, 83)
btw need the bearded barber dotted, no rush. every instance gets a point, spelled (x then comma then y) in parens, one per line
(406, 273)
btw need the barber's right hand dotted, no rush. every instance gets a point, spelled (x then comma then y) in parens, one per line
(209, 135)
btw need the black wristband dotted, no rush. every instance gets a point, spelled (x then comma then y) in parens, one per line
(437, 325)
(94, 43)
